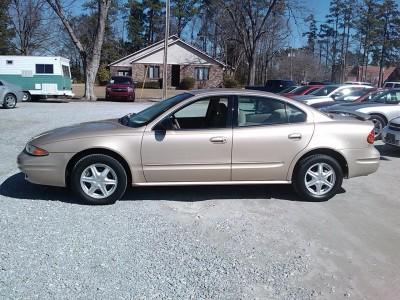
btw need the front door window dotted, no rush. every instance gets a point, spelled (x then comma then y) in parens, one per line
(203, 114)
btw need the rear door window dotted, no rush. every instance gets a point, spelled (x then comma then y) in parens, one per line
(256, 111)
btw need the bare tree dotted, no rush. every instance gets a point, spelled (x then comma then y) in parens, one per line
(249, 20)
(29, 24)
(90, 57)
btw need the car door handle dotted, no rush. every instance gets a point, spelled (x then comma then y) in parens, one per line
(218, 140)
(295, 136)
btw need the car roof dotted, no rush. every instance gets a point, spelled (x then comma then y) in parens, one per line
(224, 91)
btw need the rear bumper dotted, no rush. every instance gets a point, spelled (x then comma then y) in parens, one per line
(361, 162)
(46, 170)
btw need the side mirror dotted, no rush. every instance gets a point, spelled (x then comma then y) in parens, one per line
(334, 96)
(164, 125)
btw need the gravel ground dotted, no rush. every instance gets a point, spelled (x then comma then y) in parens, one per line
(244, 242)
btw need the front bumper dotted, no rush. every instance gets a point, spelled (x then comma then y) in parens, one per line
(361, 162)
(391, 137)
(120, 95)
(46, 170)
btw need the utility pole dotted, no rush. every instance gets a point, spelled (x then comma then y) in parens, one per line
(165, 65)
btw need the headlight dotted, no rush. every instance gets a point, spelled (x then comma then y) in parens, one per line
(35, 151)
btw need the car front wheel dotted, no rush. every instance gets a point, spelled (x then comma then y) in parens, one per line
(99, 179)
(9, 101)
(318, 178)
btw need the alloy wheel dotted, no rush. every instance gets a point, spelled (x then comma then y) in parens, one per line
(98, 181)
(378, 127)
(320, 179)
(10, 100)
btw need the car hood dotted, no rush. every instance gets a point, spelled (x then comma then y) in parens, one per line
(395, 121)
(81, 131)
(356, 106)
(118, 85)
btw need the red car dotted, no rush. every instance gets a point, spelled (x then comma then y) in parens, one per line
(120, 88)
(302, 90)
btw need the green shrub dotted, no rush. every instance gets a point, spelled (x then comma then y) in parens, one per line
(103, 75)
(148, 85)
(230, 82)
(187, 83)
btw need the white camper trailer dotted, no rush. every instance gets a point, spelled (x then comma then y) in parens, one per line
(37, 75)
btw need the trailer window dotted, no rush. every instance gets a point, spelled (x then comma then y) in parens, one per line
(44, 69)
(66, 71)
(9, 62)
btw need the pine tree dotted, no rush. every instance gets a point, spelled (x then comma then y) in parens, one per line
(6, 33)
(311, 34)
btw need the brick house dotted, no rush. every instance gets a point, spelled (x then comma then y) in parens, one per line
(371, 74)
(184, 60)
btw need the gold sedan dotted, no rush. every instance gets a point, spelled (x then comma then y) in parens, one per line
(205, 137)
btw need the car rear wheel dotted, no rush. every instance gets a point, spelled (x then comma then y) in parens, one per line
(379, 124)
(26, 97)
(318, 178)
(9, 101)
(99, 179)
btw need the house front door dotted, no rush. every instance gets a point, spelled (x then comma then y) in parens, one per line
(175, 75)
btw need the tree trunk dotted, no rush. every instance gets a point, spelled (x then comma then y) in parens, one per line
(252, 70)
(90, 61)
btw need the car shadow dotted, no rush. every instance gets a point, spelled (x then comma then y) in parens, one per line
(388, 151)
(17, 187)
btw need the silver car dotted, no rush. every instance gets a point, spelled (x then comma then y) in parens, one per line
(201, 138)
(384, 107)
(10, 94)
(331, 92)
(391, 133)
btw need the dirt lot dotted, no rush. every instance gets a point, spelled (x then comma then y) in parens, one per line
(145, 94)
(247, 242)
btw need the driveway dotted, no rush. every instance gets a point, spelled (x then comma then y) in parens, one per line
(215, 242)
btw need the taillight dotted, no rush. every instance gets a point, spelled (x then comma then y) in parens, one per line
(371, 137)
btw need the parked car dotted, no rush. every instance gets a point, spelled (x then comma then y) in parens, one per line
(382, 108)
(391, 85)
(205, 137)
(356, 96)
(120, 87)
(301, 90)
(330, 93)
(273, 86)
(10, 94)
(391, 133)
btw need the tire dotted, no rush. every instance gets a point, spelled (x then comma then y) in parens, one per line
(311, 165)
(379, 124)
(27, 97)
(9, 101)
(88, 171)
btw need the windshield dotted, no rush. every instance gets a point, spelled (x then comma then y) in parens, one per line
(120, 80)
(289, 89)
(300, 89)
(354, 95)
(324, 91)
(149, 114)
